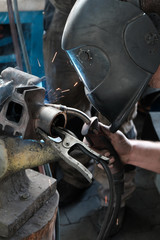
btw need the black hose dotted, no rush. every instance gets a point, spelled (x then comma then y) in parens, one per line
(118, 187)
(116, 190)
(107, 223)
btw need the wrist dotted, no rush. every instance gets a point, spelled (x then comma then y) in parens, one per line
(127, 158)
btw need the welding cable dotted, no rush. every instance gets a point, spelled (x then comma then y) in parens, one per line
(114, 218)
(14, 34)
(116, 188)
(21, 37)
(116, 185)
(107, 223)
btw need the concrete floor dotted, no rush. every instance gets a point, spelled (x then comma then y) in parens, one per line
(142, 215)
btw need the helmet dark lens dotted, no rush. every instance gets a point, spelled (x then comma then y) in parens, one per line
(91, 63)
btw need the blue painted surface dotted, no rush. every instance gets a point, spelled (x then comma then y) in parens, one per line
(32, 25)
(7, 59)
(5, 41)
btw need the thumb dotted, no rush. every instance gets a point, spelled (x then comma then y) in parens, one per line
(106, 130)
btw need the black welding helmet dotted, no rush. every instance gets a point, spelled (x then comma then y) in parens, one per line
(115, 48)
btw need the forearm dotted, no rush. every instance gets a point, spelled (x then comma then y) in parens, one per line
(145, 154)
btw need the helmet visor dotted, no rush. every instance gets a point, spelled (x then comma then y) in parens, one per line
(92, 65)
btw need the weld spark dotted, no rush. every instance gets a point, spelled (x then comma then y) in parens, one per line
(54, 57)
(67, 90)
(75, 84)
(38, 63)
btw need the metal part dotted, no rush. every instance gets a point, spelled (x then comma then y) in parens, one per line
(21, 36)
(6, 89)
(14, 34)
(73, 111)
(21, 196)
(69, 143)
(41, 225)
(49, 118)
(22, 114)
(24, 110)
(18, 77)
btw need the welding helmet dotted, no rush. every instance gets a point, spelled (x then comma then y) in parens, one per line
(115, 48)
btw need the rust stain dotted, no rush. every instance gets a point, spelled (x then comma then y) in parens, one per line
(47, 232)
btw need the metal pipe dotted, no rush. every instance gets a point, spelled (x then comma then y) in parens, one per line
(75, 112)
(21, 37)
(14, 34)
(19, 77)
(49, 118)
(17, 154)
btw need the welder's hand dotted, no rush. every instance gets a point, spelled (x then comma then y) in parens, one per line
(120, 143)
(105, 153)
(115, 146)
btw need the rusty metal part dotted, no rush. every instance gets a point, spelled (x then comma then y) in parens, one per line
(150, 6)
(17, 154)
(42, 225)
(47, 232)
